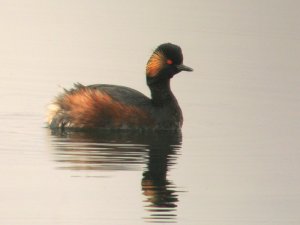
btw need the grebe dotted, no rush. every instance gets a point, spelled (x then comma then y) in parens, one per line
(103, 106)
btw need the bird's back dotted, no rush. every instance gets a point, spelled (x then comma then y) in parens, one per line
(122, 94)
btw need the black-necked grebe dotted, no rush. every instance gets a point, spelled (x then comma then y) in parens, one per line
(103, 106)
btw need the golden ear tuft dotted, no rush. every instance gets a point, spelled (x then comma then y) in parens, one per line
(155, 63)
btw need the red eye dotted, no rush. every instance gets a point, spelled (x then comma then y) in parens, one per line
(169, 61)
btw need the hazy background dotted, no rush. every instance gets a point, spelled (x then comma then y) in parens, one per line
(241, 107)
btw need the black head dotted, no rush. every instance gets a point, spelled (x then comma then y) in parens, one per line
(165, 62)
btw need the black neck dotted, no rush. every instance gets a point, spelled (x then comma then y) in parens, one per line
(161, 92)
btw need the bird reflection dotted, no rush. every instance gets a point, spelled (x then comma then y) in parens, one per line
(127, 150)
(161, 193)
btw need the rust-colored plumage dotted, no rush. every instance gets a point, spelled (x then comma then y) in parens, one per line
(86, 107)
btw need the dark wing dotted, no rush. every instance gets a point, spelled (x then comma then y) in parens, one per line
(122, 94)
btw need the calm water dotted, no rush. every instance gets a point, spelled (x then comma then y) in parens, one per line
(237, 159)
